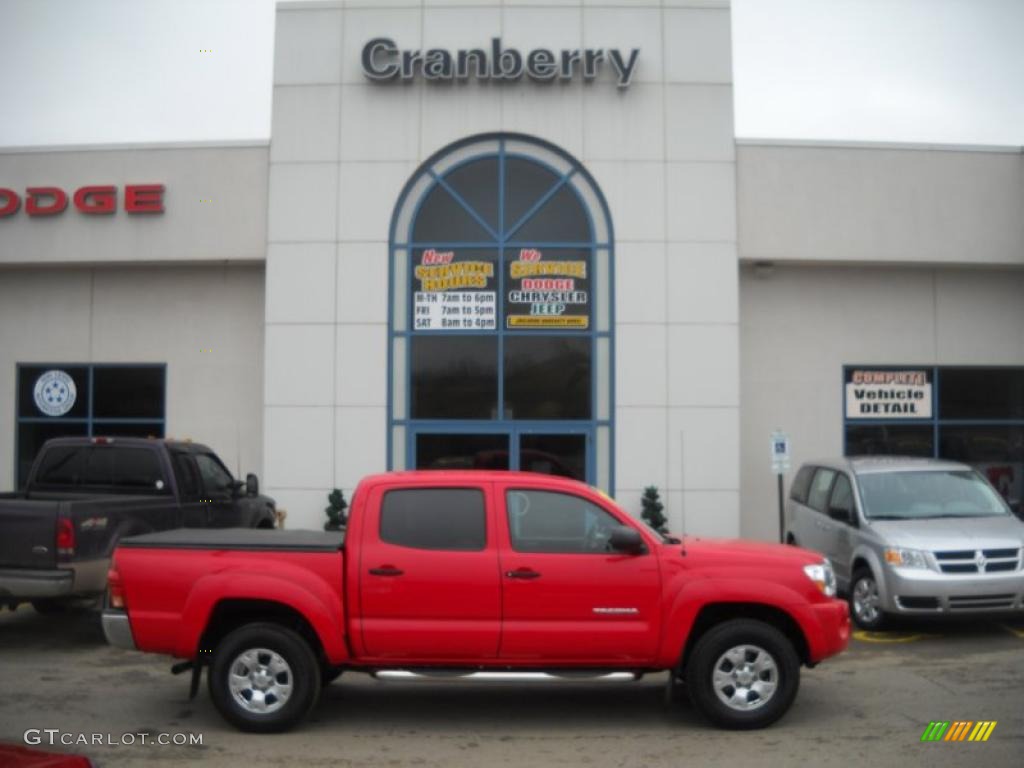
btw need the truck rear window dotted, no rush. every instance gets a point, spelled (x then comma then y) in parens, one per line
(108, 467)
(434, 518)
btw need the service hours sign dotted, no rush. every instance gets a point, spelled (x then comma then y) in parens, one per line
(455, 290)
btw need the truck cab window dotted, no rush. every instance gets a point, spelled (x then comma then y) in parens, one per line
(216, 479)
(60, 466)
(113, 469)
(185, 472)
(435, 518)
(543, 521)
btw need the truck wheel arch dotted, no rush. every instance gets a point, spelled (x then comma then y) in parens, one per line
(231, 613)
(713, 614)
(300, 595)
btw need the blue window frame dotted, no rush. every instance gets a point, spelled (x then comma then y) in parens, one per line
(494, 206)
(110, 399)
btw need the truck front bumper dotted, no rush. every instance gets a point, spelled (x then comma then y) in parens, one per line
(827, 629)
(117, 629)
(22, 584)
(921, 592)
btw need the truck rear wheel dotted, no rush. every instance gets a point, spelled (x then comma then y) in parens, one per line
(743, 674)
(264, 678)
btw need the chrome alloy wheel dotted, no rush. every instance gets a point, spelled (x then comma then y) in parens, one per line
(866, 602)
(260, 681)
(745, 677)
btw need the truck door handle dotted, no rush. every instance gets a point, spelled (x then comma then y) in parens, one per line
(522, 573)
(386, 570)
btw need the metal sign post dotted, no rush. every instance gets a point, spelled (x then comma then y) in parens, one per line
(780, 464)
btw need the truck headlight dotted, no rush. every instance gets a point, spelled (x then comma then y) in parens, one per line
(907, 558)
(823, 576)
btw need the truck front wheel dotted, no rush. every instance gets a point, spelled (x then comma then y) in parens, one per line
(743, 674)
(264, 678)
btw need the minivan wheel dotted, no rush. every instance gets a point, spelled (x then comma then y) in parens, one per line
(264, 678)
(865, 601)
(743, 674)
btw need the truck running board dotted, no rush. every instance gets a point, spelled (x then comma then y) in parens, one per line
(568, 676)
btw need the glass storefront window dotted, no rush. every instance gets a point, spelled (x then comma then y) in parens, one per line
(454, 377)
(501, 292)
(890, 440)
(547, 377)
(113, 400)
(981, 393)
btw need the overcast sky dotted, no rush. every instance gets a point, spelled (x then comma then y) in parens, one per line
(102, 71)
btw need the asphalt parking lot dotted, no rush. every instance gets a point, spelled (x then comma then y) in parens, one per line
(869, 707)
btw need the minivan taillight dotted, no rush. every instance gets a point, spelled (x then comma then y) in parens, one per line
(65, 537)
(115, 589)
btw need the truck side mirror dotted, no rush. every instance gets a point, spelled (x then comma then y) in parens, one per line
(252, 485)
(627, 540)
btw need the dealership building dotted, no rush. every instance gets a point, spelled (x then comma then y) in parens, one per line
(514, 236)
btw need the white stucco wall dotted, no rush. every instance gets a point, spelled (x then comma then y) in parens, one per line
(662, 152)
(800, 324)
(874, 203)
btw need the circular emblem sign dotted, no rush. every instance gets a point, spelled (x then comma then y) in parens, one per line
(55, 393)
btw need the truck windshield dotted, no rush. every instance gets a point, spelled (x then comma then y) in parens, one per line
(928, 495)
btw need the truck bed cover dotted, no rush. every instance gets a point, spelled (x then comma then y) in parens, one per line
(239, 538)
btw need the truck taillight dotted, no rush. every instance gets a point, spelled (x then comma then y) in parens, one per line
(115, 589)
(65, 537)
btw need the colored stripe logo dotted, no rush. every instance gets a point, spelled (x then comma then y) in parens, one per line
(958, 730)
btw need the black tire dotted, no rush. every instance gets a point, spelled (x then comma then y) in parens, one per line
(51, 606)
(303, 675)
(860, 618)
(329, 674)
(710, 651)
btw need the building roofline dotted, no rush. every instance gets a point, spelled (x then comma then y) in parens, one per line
(147, 146)
(840, 144)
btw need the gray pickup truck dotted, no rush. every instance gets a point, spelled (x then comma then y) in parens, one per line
(84, 495)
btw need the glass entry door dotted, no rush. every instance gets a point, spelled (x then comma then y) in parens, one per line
(564, 454)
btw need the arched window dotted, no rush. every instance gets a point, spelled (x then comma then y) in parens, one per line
(501, 351)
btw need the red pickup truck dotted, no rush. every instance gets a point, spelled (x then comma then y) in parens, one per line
(476, 575)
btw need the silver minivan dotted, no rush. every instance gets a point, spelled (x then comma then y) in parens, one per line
(909, 536)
